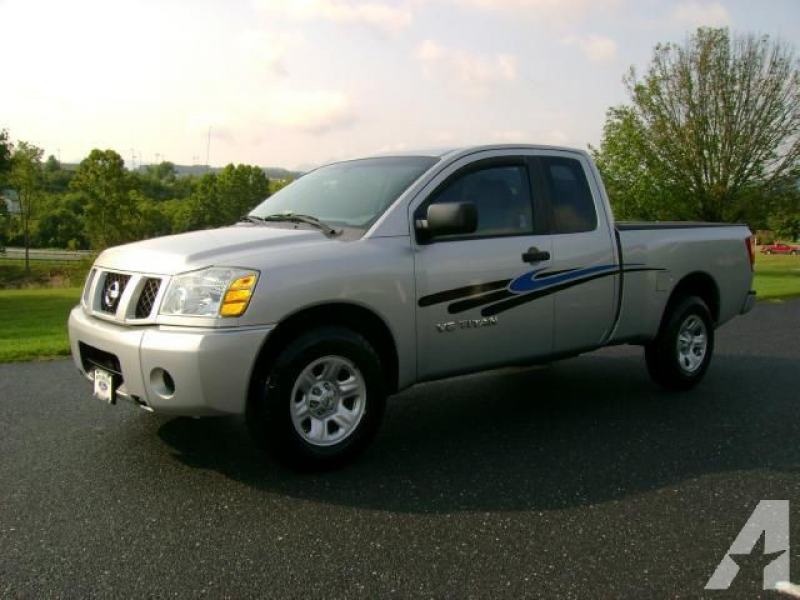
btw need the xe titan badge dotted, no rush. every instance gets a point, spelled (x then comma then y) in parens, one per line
(466, 324)
(112, 294)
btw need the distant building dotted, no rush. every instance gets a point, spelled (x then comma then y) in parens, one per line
(11, 198)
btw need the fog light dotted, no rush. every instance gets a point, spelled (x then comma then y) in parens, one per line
(162, 383)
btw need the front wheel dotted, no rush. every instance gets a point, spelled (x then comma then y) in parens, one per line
(793, 252)
(679, 357)
(322, 400)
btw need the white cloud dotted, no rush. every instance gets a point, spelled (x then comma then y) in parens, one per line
(596, 47)
(265, 52)
(380, 15)
(248, 119)
(476, 72)
(696, 14)
(316, 112)
(559, 9)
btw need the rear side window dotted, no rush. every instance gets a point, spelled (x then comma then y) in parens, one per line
(573, 206)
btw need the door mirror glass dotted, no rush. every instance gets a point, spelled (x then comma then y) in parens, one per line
(451, 218)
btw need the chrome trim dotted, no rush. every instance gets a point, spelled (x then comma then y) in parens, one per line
(126, 309)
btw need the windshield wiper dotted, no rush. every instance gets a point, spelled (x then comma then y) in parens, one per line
(252, 219)
(294, 218)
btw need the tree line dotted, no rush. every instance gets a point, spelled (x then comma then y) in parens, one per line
(101, 203)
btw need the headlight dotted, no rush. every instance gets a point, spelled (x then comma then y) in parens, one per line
(212, 292)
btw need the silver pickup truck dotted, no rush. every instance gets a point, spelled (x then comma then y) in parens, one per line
(365, 277)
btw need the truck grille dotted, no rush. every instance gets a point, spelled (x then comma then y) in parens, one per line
(113, 287)
(124, 297)
(147, 298)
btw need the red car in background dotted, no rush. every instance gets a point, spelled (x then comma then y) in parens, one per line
(780, 249)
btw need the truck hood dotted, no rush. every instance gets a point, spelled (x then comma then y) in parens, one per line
(188, 251)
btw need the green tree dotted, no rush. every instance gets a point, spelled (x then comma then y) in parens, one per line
(225, 197)
(52, 165)
(204, 205)
(164, 171)
(711, 123)
(148, 219)
(6, 150)
(785, 219)
(104, 183)
(61, 222)
(240, 188)
(5, 164)
(26, 178)
(636, 190)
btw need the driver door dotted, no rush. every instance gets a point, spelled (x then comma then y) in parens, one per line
(475, 308)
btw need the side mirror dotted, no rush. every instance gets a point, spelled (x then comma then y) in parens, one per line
(451, 218)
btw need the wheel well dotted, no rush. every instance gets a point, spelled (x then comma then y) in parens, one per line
(357, 318)
(697, 284)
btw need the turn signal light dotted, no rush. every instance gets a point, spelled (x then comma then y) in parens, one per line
(237, 297)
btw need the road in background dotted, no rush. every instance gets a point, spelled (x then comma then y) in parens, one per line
(576, 480)
(49, 255)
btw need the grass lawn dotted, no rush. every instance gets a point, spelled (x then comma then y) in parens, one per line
(777, 276)
(33, 323)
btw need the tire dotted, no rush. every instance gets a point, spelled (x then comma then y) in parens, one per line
(767, 251)
(679, 357)
(793, 252)
(320, 402)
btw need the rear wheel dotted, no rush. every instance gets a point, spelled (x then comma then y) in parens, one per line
(793, 252)
(321, 401)
(679, 357)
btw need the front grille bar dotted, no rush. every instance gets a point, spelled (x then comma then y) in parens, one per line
(114, 286)
(147, 298)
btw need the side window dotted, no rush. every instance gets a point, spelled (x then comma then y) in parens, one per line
(501, 195)
(573, 206)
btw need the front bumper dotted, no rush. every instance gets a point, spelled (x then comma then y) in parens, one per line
(749, 302)
(211, 368)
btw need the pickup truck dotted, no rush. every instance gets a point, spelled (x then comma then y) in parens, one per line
(364, 277)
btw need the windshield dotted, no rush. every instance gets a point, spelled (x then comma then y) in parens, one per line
(347, 194)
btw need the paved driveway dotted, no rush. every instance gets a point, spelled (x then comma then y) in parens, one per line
(576, 480)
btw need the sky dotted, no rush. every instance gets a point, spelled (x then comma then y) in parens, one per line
(295, 83)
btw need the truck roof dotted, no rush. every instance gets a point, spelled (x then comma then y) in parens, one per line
(462, 150)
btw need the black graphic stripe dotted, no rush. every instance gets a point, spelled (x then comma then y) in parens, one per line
(544, 275)
(500, 307)
(462, 292)
(463, 305)
(503, 306)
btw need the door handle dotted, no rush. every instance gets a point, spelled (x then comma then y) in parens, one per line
(534, 255)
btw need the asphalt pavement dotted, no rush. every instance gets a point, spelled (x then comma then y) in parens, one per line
(576, 480)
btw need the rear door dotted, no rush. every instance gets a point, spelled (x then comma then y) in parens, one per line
(583, 254)
(470, 314)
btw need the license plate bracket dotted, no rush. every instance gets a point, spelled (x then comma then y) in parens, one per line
(104, 386)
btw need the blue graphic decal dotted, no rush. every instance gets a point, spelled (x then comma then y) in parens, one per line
(529, 282)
